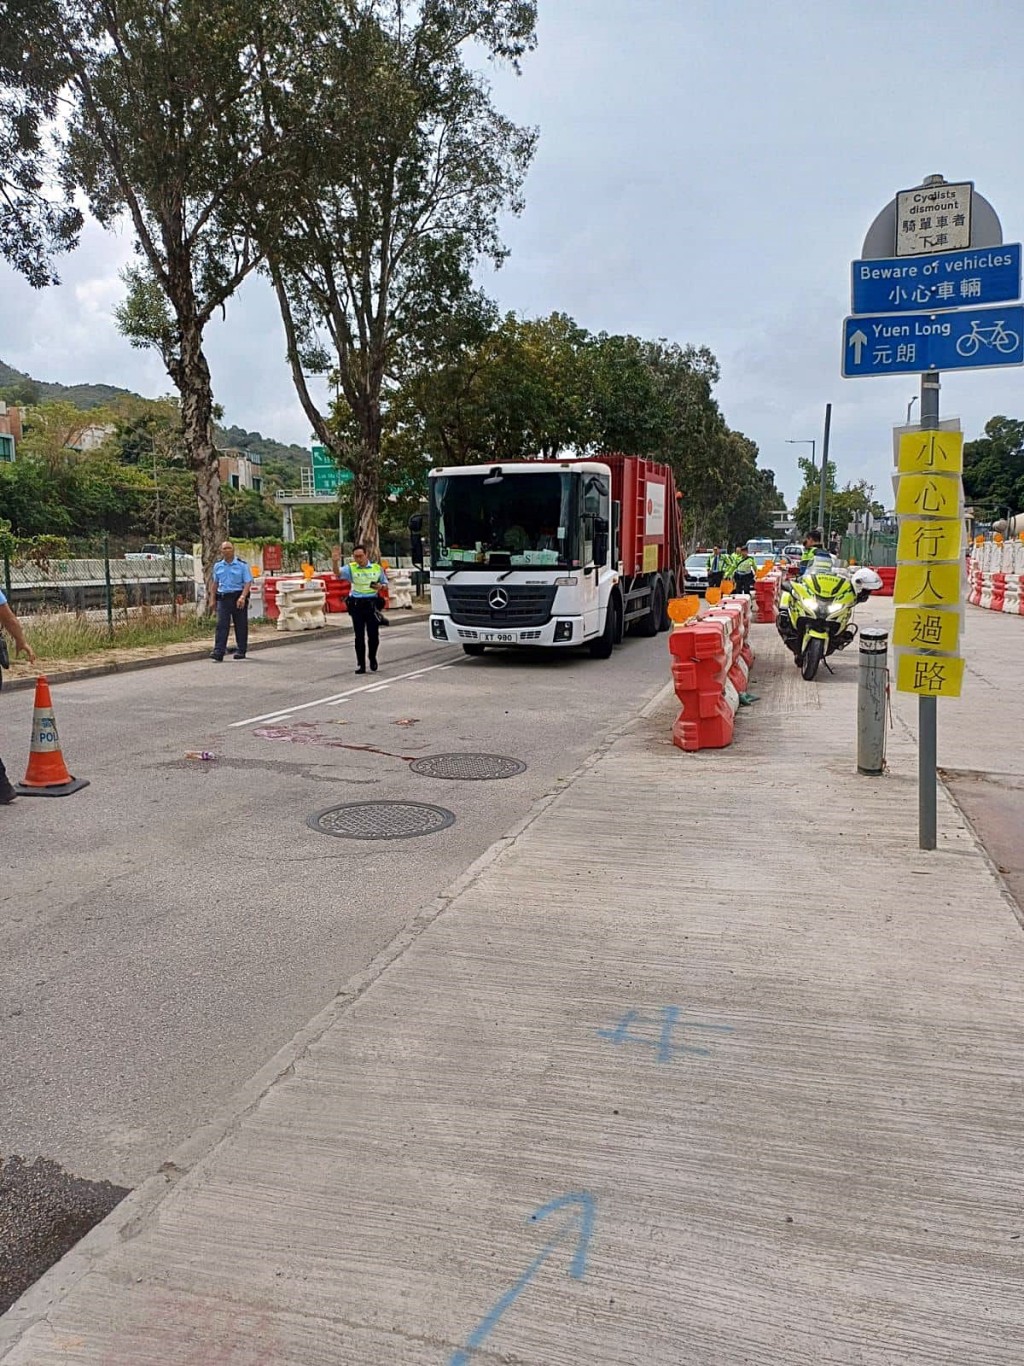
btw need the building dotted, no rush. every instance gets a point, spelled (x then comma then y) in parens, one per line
(240, 469)
(10, 431)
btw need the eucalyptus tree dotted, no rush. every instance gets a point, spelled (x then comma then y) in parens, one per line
(402, 172)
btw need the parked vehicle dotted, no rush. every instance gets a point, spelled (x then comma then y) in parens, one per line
(695, 576)
(150, 552)
(553, 553)
(761, 547)
(816, 613)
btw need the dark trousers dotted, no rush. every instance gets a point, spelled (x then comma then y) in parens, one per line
(230, 614)
(744, 583)
(715, 577)
(363, 612)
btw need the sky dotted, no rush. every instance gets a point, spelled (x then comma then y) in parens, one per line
(706, 172)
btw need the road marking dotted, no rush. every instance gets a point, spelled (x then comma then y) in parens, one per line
(334, 698)
(379, 688)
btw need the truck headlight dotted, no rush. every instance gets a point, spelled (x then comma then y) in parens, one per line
(437, 628)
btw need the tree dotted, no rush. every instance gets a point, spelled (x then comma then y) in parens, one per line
(54, 432)
(38, 218)
(842, 506)
(165, 130)
(405, 168)
(994, 467)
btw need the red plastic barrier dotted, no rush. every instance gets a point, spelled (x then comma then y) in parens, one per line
(998, 592)
(887, 573)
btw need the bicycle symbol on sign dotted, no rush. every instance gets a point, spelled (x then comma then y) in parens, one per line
(996, 336)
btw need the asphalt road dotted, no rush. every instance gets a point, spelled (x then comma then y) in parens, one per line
(167, 929)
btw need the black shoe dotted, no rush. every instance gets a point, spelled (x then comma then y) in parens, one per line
(361, 669)
(7, 794)
(217, 659)
(373, 666)
(239, 654)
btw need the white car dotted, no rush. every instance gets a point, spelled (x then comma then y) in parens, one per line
(695, 573)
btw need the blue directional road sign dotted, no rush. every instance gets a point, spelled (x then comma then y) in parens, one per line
(945, 279)
(971, 339)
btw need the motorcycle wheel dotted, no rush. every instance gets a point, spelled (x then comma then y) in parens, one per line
(814, 653)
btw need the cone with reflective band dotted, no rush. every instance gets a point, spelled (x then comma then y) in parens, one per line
(47, 774)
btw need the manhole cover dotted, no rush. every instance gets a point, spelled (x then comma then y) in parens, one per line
(470, 767)
(381, 820)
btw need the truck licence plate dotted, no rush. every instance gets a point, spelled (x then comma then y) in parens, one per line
(499, 637)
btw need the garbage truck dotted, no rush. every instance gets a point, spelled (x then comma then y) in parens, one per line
(553, 553)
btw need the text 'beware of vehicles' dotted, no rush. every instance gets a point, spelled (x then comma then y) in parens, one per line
(954, 279)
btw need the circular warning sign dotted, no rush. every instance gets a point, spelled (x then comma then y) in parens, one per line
(650, 506)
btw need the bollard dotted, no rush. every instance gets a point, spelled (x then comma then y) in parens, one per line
(871, 699)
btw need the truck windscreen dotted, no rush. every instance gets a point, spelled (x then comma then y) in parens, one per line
(516, 521)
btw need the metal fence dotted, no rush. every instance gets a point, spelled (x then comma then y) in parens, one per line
(98, 583)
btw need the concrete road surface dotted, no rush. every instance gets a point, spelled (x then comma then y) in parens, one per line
(166, 930)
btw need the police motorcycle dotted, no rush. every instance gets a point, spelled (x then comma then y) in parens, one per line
(816, 611)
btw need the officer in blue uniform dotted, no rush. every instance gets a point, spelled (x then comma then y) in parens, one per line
(10, 623)
(367, 577)
(230, 588)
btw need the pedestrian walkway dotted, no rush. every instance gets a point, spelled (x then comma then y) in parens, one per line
(707, 1065)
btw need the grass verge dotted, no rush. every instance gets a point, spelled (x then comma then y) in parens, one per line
(71, 635)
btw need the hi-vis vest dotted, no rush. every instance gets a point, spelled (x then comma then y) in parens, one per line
(745, 564)
(364, 579)
(716, 563)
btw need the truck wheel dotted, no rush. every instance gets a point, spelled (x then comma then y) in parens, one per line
(650, 623)
(665, 621)
(602, 647)
(473, 649)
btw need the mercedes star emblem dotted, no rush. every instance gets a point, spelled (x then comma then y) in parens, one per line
(498, 599)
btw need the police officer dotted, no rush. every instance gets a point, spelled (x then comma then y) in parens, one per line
(716, 568)
(743, 570)
(813, 550)
(12, 626)
(367, 577)
(229, 588)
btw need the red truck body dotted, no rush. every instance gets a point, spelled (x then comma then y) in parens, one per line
(651, 535)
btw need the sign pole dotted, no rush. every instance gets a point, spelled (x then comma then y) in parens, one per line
(824, 472)
(927, 707)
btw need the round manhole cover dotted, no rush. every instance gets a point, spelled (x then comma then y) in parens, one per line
(381, 820)
(470, 767)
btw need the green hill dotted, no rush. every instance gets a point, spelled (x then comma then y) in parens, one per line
(38, 391)
(278, 458)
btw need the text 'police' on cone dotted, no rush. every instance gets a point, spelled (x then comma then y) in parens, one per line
(47, 774)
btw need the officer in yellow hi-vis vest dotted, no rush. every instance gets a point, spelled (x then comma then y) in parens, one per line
(367, 577)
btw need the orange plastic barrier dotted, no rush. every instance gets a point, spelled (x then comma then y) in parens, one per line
(701, 653)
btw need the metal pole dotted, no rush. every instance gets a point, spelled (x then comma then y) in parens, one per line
(927, 707)
(871, 695)
(7, 575)
(824, 471)
(174, 583)
(106, 579)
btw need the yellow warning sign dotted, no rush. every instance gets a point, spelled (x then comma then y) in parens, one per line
(928, 495)
(931, 453)
(928, 585)
(650, 560)
(924, 628)
(929, 675)
(937, 540)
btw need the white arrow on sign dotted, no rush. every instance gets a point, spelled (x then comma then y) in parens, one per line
(858, 341)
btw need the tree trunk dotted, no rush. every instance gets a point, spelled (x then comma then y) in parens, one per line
(191, 375)
(366, 484)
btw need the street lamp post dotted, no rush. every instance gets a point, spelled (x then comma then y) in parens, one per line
(909, 406)
(812, 442)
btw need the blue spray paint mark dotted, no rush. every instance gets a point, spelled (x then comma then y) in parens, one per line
(665, 1047)
(580, 1225)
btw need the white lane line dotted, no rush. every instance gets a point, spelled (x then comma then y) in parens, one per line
(379, 687)
(331, 700)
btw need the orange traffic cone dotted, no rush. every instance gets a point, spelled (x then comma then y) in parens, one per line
(47, 774)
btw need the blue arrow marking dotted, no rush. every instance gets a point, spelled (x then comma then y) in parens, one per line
(580, 1225)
